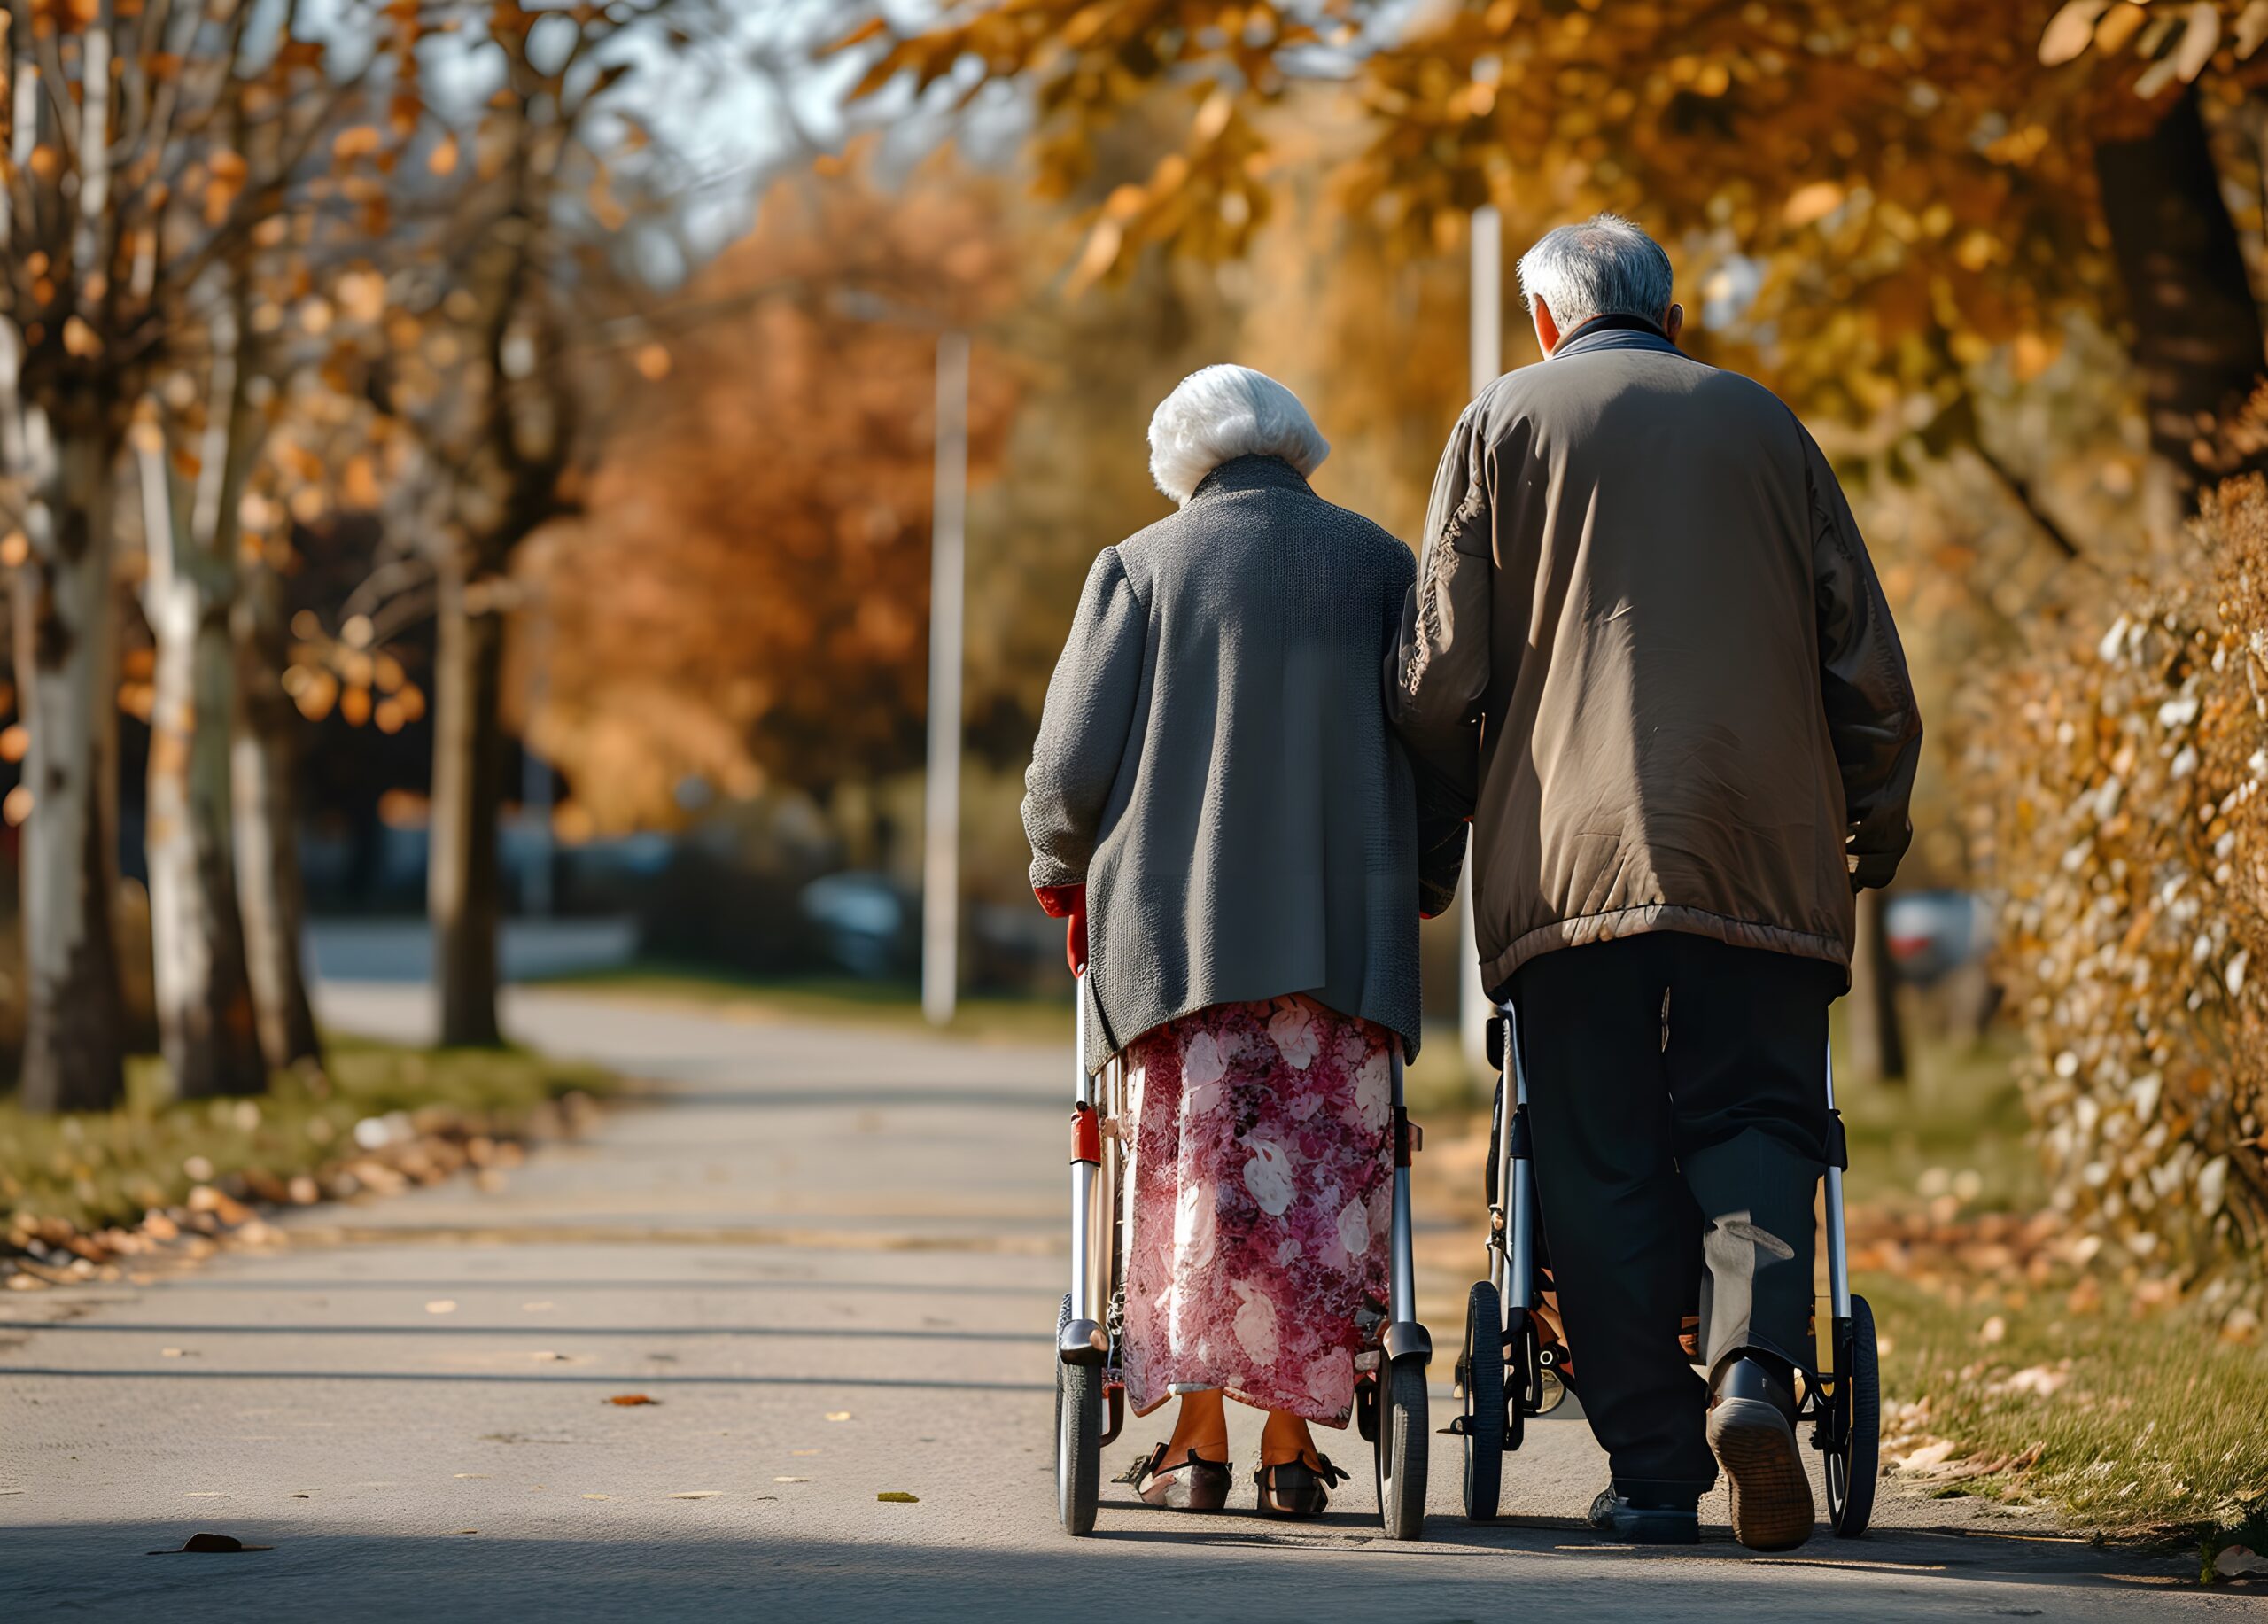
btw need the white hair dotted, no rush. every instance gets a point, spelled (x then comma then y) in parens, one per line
(1218, 414)
(1604, 267)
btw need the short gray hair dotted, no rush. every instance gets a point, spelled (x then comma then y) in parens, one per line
(1218, 414)
(1604, 267)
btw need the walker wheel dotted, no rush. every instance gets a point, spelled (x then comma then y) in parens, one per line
(1399, 1451)
(1853, 1459)
(1481, 1375)
(1078, 1438)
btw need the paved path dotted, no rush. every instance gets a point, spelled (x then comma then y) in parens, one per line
(833, 1257)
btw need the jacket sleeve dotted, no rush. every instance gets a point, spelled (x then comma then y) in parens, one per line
(1871, 713)
(1084, 727)
(1438, 671)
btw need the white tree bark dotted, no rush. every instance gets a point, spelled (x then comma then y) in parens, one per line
(205, 1022)
(64, 652)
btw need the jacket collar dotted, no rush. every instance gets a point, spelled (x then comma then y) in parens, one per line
(1615, 333)
(1250, 473)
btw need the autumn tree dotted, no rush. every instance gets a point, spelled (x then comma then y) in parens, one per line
(511, 280)
(149, 148)
(1911, 187)
(747, 588)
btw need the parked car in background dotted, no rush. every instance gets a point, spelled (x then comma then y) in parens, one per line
(1932, 934)
(866, 922)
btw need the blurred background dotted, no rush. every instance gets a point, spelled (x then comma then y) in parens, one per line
(595, 491)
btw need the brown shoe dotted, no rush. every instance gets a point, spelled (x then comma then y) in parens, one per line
(1192, 1484)
(1751, 1429)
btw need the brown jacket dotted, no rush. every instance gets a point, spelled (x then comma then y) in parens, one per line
(1648, 649)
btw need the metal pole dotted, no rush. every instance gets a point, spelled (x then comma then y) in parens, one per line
(1402, 1280)
(941, 822)
(1838, 1262)
(1487, 335)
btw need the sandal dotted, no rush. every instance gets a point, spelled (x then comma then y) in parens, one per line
(1192, 1484)
(1295, 1489)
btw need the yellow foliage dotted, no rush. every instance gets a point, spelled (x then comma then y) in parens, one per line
(2121, 787)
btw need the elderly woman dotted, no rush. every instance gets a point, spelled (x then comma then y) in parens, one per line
(1216, 784)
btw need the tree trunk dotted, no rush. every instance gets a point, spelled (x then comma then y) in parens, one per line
(64, 649)
(2197, 335)
(1878, 1036)
(205, 1028)
(270, 890)
(462, 888)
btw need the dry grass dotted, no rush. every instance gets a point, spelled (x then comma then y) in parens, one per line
(95, 1169)
(2123, 1420)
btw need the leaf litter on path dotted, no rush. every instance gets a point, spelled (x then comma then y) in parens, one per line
(899, 1497)
(626, 1400)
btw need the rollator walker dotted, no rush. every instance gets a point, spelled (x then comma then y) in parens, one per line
(1507, 1373)
(1089, 1384)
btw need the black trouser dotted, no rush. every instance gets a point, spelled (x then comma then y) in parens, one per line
(1677, 1089)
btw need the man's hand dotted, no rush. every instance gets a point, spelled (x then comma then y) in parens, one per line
(1871, 873)
(1067, 902)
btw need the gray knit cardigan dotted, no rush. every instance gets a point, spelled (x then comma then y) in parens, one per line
(1213, 764)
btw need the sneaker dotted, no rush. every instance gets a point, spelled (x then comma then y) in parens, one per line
(1752, 1431)
(1647, 1524)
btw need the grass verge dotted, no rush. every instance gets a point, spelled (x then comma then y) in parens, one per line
(97, 1170)
(1956, 1125)
(2124, 1421)
(895, 1004)
(2004, 1373)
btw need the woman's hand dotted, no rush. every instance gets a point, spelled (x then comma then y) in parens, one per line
(1067, 902)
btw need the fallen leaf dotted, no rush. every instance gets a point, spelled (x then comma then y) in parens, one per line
(2236, 1560)
(598, 1497)
(899, 1497)
(469, 1474)
(695, 1494)
(209, 1544)
(791, 1480)
(303, 1496)
(1928, 1455)
(441, 1305)
(627, 1399)
(468, 1530)
(838, 1415)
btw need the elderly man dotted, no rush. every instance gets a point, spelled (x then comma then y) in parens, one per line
(1647, 649)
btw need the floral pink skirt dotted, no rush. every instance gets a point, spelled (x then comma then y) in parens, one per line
(1263, 1190)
